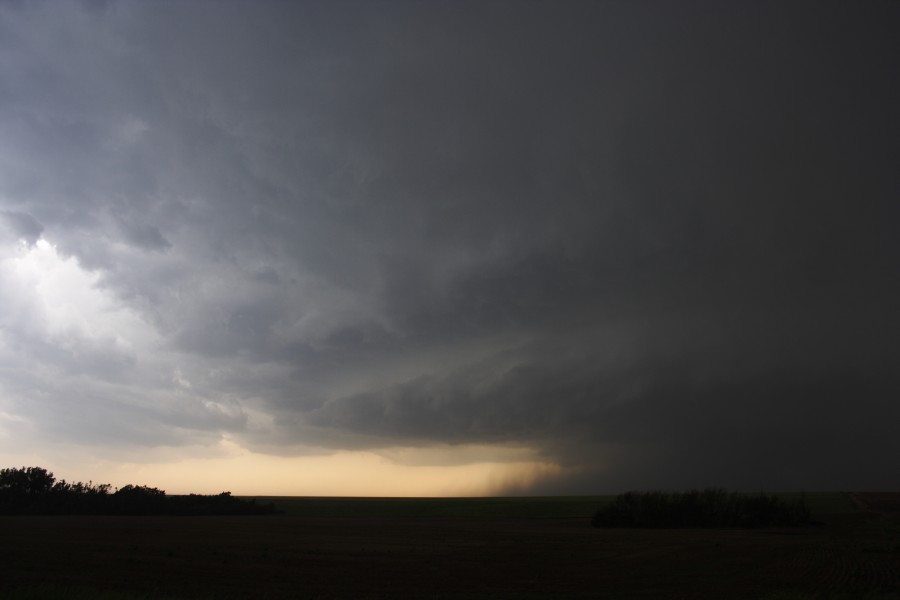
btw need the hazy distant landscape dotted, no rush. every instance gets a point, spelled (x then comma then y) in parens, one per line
(451, 548)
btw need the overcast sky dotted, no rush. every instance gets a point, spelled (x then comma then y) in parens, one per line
(451, 247)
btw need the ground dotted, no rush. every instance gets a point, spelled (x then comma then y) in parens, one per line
(854, 554)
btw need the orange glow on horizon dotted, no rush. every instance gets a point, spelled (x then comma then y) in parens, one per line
(391, 473)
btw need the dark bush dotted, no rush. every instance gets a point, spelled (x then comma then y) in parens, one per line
(139, 500)
(700, 508)
(221, 504)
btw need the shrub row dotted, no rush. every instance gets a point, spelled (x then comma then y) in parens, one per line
(35, 491)
(701, 508)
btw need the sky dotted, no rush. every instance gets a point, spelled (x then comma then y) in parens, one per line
(394, 248)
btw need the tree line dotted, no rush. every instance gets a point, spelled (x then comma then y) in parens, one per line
(711, 507)
(35, 491)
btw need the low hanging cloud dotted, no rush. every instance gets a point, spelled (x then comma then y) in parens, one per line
(650, 246)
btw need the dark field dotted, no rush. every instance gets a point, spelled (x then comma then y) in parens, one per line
(465, 548)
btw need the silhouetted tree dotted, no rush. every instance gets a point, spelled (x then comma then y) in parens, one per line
(23, 487)
(33, 490)
(140, 500)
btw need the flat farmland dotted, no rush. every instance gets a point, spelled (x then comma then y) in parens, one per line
(382, 553)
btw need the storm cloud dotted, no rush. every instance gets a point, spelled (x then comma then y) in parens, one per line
(654, 243)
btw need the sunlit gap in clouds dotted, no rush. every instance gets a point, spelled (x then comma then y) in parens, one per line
(62, 336)
(53, 296)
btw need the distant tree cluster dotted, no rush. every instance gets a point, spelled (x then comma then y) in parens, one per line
(35, 491)
(701, 508)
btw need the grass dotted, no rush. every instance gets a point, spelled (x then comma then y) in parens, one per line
(559, 507)
(829, 596)
(51, 591)
(448, 548)
(56, 592)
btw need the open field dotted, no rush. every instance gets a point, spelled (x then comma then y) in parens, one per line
(379, 553)
(512, 507)
(529, 507)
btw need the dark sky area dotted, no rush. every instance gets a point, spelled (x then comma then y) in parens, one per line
(652, 244)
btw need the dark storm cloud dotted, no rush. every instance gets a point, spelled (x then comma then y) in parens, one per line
(639, 237)
(717, 189)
